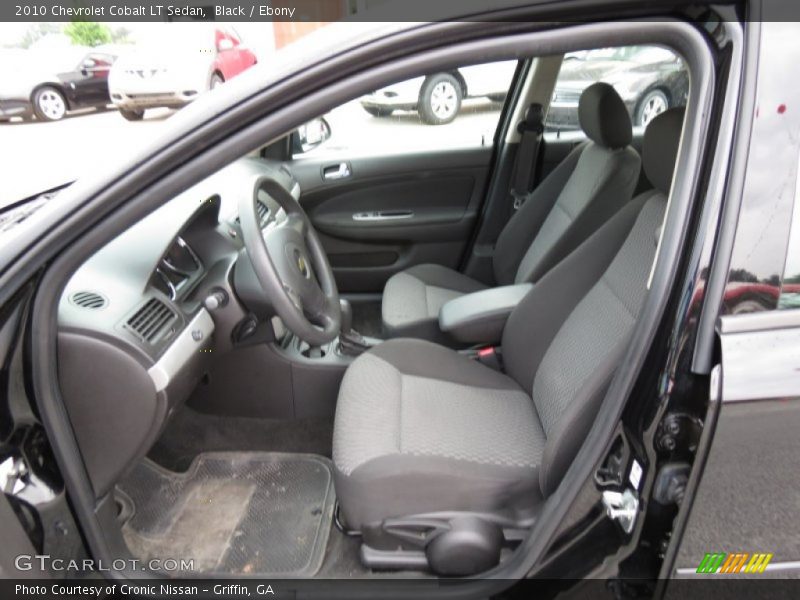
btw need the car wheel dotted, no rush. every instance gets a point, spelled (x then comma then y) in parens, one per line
(49, 104)
(379, 112)
(132, 115)
(440, 99)
(746, 307)
(653, 104)
(216, 81)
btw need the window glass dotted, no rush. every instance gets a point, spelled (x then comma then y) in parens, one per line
(649, 79)
(454, 109)
(790, 288)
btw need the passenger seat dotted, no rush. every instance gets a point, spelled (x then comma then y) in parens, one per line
(595, 180)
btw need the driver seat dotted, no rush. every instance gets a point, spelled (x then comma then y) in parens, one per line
(436, 454)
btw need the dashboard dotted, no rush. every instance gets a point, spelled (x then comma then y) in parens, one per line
(136, 332)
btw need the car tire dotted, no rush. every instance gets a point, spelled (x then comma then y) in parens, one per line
(216, 81)
(747, 306)
(49, 104)
(131, 115)
(652, 104)
(379, 112)
(440, 99)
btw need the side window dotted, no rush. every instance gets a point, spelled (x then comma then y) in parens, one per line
(453, 109)
(790, 288)
(101, 60)
(649, 79)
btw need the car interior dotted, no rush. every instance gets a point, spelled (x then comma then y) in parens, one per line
(335, 363)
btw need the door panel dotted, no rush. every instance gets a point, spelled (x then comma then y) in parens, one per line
(392, 212)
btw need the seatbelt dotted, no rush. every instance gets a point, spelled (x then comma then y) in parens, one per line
(531, 128)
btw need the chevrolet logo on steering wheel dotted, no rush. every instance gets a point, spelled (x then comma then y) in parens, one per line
(302, 265)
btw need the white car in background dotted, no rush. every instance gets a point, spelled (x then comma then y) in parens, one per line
(176, 67)
(437, 97)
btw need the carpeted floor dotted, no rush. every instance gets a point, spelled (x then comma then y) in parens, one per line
(189, 433)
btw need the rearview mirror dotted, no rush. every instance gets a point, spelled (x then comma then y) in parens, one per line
(89, 63)
(310, 135)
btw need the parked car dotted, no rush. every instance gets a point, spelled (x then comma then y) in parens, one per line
(48, 84)
(438, 96)
(650, 80)
(579, 404)
(174, 69)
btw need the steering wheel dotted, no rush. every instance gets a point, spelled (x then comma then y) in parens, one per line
(290, 263)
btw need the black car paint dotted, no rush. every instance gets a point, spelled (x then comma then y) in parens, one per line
(668, 76)
(758, 396)
(678, 341)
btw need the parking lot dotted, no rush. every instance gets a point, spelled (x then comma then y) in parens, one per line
(37, 155)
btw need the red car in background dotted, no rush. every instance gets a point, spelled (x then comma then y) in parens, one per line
(179, 63)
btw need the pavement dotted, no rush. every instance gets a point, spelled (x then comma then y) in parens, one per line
(35, 156)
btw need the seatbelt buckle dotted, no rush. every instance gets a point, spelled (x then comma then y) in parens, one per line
(519, 199)
(491, 356)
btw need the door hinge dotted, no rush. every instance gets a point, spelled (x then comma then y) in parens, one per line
(13, 472)
(622, 507)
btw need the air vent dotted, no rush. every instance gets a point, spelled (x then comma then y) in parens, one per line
(88, 300)
(263, 212)
(150, 320)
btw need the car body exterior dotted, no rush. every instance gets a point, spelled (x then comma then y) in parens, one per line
(174, 71)
(649, 79)
(50, 83)
(438, 96)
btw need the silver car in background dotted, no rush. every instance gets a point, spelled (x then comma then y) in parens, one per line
(438, 97)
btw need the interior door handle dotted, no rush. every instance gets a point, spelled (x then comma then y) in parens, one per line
(384, 215)
(334, 172)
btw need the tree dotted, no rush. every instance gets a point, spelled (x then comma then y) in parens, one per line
(121, 35)
(36, 32)
(87, 33)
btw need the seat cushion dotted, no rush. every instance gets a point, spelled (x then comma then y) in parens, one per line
(420, 428)
(412, 299)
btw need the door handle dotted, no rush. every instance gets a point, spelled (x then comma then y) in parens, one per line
(335, 172)
(385, 215)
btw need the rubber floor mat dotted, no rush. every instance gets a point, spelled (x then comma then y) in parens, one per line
(232, 513)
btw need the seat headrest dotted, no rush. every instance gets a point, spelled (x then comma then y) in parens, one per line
(603, 116)
(660, 148)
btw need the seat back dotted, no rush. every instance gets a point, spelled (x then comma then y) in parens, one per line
(565, 340)
(595, 180)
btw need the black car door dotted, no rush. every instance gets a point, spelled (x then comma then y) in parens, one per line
(87, 84)
(388, 190)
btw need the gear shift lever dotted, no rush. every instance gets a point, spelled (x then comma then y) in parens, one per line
(347, 317)
(350, 341)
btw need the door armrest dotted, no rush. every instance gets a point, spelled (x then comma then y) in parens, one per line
(479, 318)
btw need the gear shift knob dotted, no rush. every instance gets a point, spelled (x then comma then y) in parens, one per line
(347, 316)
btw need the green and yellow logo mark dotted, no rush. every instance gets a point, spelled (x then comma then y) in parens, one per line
(736, 562)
